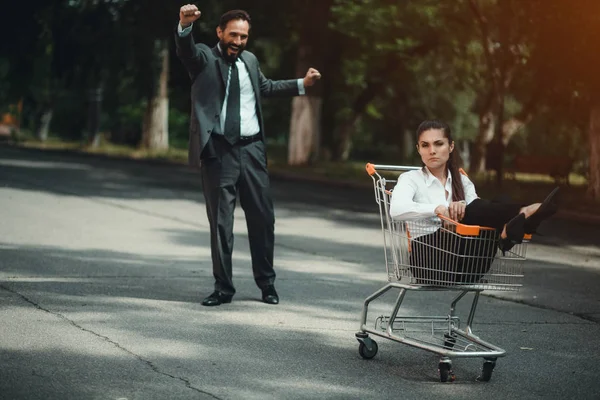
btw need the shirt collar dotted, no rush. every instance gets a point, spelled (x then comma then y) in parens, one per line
(430, 178)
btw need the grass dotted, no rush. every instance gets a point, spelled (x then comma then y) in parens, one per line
(108, 149)
(525, 188)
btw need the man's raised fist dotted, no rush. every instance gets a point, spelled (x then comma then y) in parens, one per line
(188, 14)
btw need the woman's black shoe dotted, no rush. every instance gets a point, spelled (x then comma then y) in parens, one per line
(515, 229)
(546, 210)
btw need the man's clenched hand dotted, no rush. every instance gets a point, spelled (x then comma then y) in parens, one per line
(188, 14)
(311, 77)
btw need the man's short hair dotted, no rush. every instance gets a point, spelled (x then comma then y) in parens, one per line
(234, 15)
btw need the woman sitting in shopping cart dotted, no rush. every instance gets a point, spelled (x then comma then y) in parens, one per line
(440, 188)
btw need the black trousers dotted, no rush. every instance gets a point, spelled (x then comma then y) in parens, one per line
(494, 214)
(445, 258)
(239, 170)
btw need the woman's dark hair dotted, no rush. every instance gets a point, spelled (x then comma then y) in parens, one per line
(458, 190)
(234, 15)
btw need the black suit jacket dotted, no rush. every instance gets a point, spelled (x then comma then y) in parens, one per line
(208, 71)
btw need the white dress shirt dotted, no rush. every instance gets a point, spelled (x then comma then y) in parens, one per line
(249, 120)
(249, 125)
(418, 193)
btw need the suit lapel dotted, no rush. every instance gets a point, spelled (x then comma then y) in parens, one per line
(222, 66)
(253, 76)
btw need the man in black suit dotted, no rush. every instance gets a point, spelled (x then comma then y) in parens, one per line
(227, 141)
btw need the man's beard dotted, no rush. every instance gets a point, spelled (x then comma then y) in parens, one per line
(226, 55)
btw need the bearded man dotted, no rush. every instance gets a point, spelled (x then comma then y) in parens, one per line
(227, 142)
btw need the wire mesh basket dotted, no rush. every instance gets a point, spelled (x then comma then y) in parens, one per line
(440, 252)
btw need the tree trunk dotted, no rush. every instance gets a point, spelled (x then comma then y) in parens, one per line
(487, 127)
(498, 154)
(345, 132)
(346, 129)
(43, 124)
(155, 129)
(464, 153)
(501, 63)
(305, 122)
(94, 115)
(511, 127)
(594, 138)
(304, 129)
(408, 144)
(484, 136)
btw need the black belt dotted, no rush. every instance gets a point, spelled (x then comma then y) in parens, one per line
(243, 140)
(249, 139)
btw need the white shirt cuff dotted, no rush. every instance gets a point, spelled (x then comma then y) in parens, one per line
(183, 32)
(301, 90)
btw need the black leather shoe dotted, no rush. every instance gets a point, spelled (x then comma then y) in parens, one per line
(216, 299)
(547, 209)
(269, 295)
(515, 229)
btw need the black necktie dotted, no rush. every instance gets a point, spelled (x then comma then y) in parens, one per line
(232, 118)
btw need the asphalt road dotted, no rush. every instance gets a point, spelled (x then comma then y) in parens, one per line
(103, 264)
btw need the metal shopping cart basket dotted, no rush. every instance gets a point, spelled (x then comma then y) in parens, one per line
(438, 254)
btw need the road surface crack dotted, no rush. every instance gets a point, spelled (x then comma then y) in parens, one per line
(148, 363)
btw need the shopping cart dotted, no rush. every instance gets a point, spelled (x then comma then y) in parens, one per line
(438, 254)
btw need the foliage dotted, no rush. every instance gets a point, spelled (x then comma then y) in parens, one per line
(390, 64)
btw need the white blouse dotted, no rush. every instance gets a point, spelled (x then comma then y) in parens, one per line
(418, 193)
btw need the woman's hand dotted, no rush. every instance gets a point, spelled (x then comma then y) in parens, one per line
(457, 210)
(442, 210)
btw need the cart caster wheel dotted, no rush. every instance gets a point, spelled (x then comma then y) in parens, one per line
(367, 353)
(449, 341)
(446, 373)
(486, 371)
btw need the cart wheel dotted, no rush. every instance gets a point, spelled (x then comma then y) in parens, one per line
(365, 352)
(446, 373)
(449, 341)
(486, 371)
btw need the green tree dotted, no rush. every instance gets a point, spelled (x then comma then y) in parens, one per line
(505, 35)
(376, 42)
